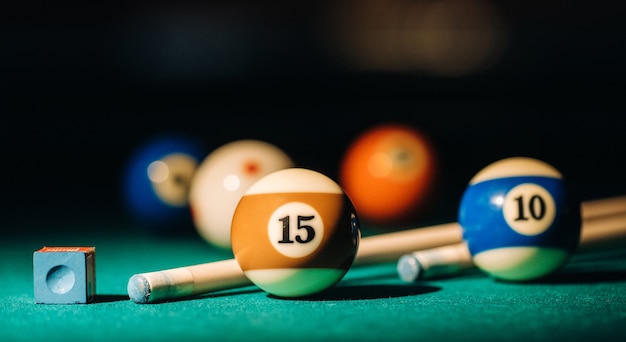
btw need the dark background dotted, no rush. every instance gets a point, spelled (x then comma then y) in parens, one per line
(85, 83)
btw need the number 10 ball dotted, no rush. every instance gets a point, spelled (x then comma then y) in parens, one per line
(295, 233)
(518, 219)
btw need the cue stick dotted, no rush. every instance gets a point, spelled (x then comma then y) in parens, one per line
(226, 274)
(389, 246)
(596, 232)
(198, 279)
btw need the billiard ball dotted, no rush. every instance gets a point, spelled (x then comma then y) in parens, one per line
(389, 172)
(295, 233)
(519, 219)
(156, 182)
(222, 178)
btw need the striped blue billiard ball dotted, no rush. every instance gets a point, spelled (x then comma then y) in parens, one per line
(156, 182)
(519, 219)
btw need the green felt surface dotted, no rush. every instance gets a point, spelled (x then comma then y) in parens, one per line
(585, 301)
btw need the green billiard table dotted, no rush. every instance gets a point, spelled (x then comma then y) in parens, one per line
(586, 300)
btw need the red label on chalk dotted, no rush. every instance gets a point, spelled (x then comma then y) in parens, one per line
(68, 249)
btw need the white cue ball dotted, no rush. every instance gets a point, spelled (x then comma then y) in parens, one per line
(223, 177)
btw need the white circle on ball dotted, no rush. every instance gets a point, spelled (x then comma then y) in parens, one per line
(529, 209)
(295, 229)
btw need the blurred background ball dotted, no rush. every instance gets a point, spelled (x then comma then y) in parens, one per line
(223, 177)
(157, 179)
(389, 171)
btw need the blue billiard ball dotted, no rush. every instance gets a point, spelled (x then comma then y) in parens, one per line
(156, 182)
(519, 220)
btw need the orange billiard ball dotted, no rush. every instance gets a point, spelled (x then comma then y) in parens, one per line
(295, 233)
(389, 172)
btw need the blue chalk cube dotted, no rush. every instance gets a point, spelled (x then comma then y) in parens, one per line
(64, 275)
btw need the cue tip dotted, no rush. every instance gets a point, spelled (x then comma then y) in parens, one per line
(409, 268)
(139, 289)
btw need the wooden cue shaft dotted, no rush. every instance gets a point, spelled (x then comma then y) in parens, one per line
(600, 231)
(602, 207)
(226, 274)
(219, 275)
(389, 246)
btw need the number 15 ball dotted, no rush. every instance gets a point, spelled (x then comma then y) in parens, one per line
(518, 219)
(295, 233)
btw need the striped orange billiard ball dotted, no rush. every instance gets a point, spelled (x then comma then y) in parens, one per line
(295, 233)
